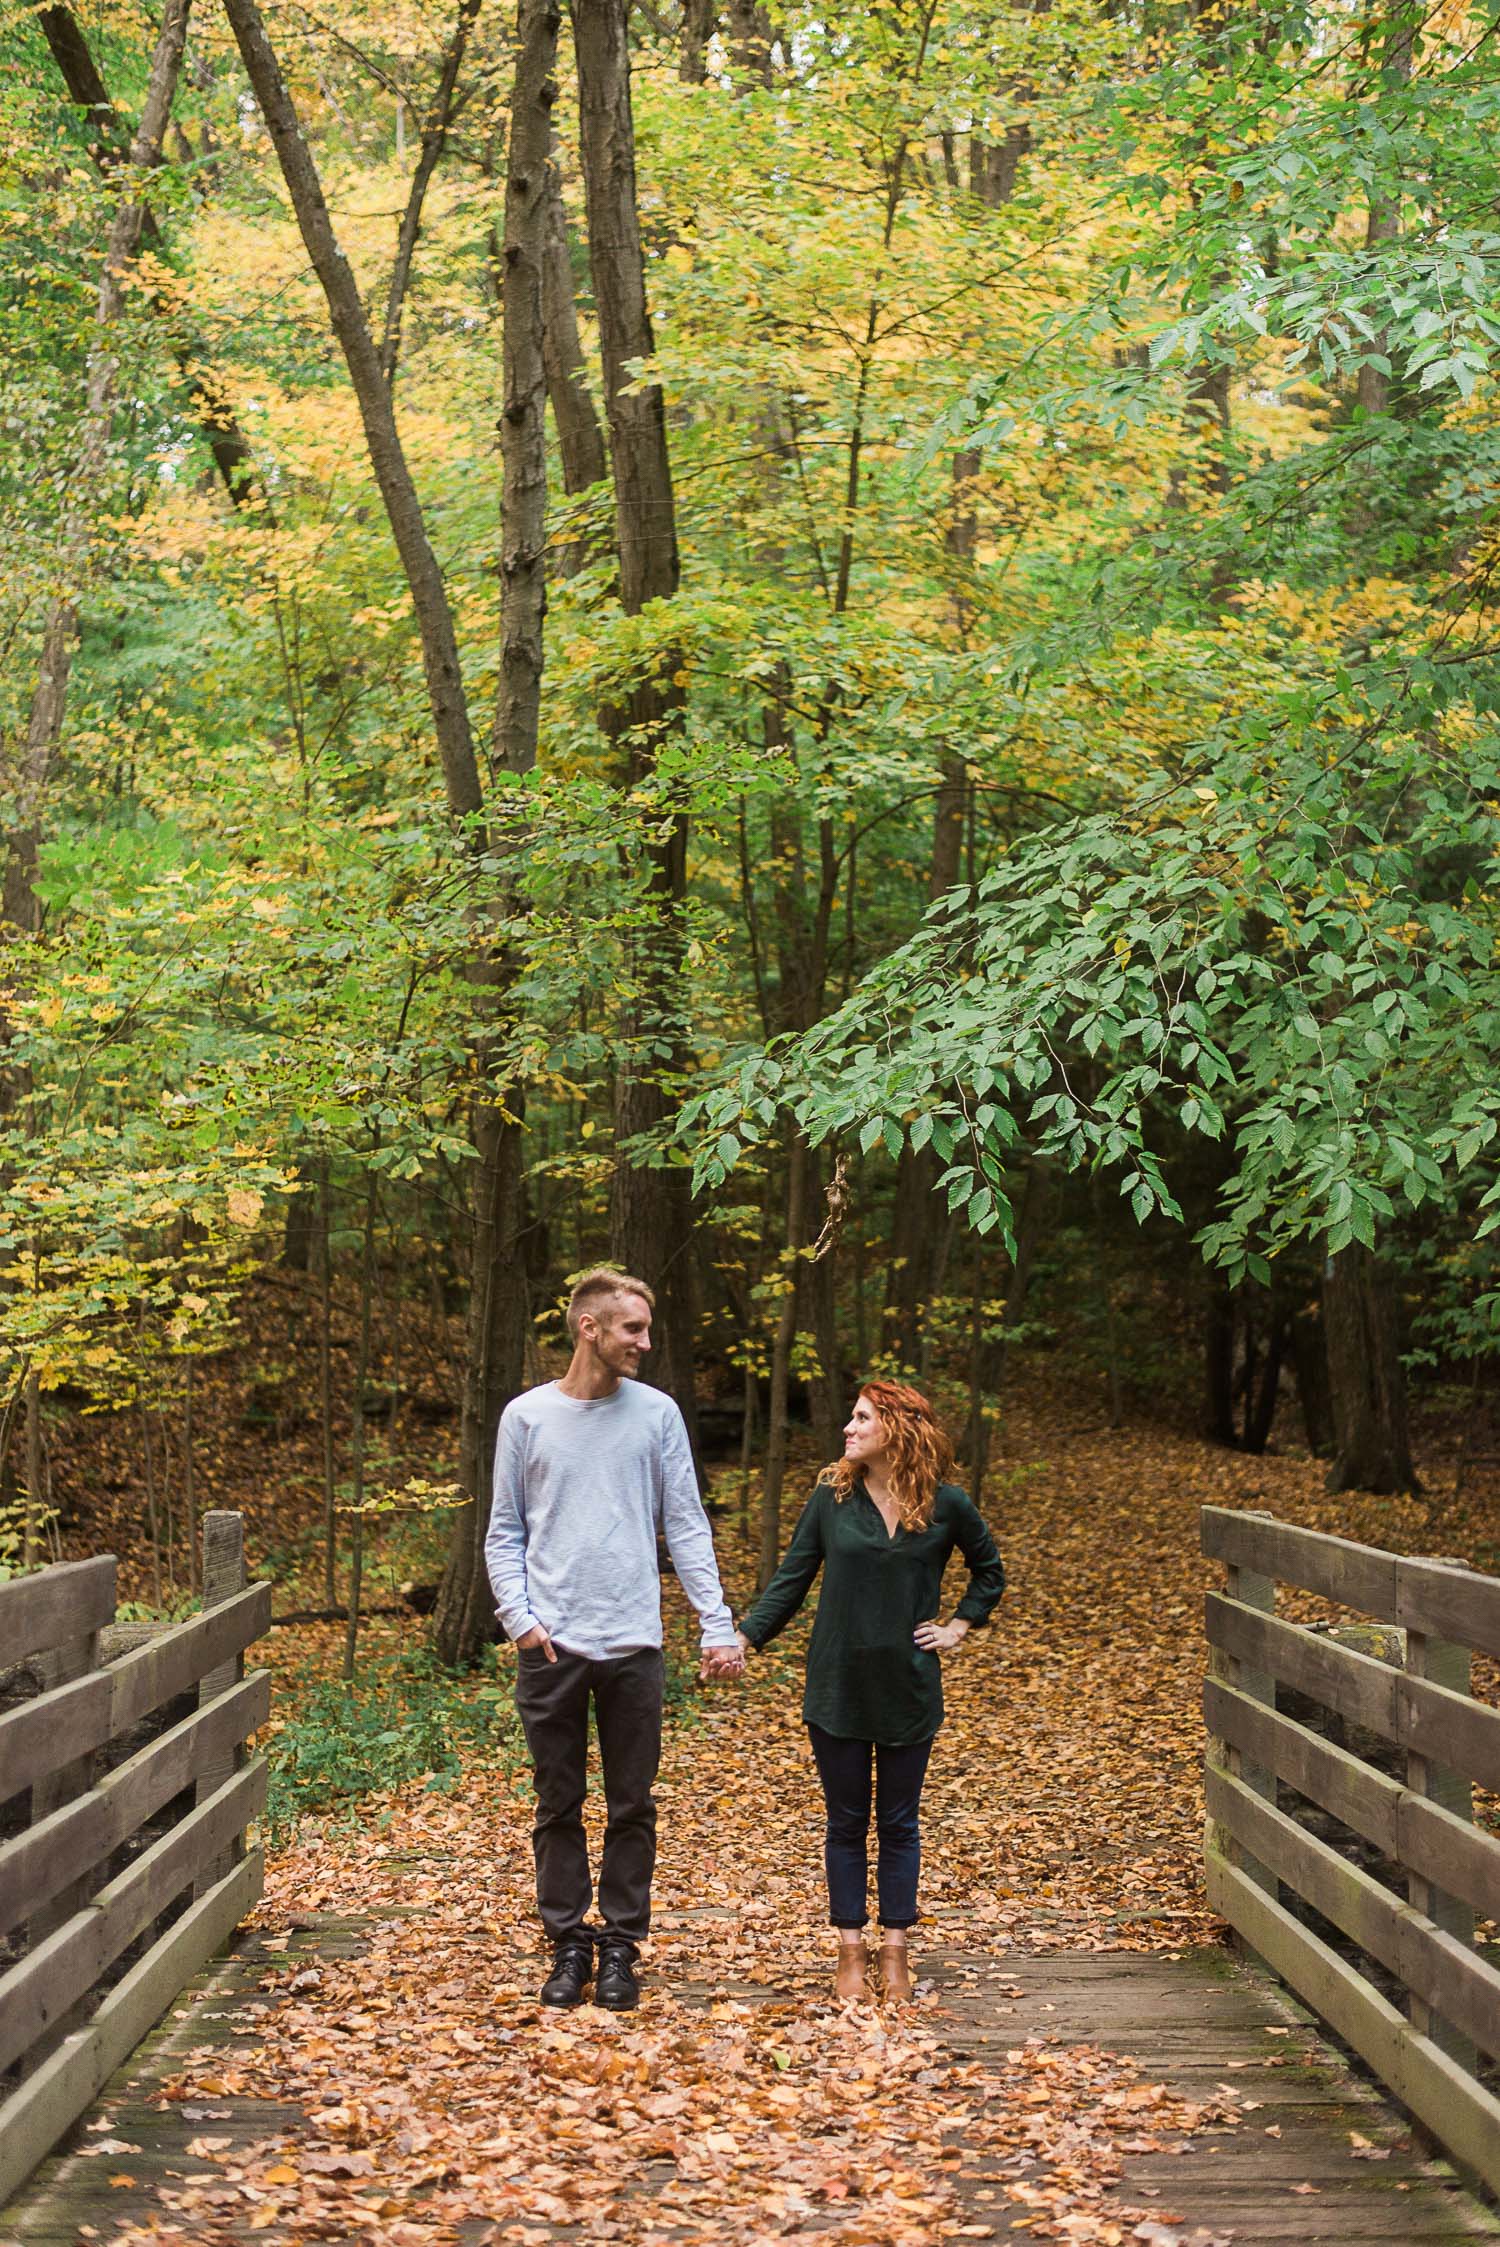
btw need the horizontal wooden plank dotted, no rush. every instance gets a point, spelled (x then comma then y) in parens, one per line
(1462, 1604)
(1462, 1858)
(1359, 1576)
(41, 1987)
(49, 2101)
(1344, 1785)
(1454, 2107)
(1449, 1729)
(1357, 1685)
(58, 1727)
(55, 1605)
(1453, 1979)
(39, 1862)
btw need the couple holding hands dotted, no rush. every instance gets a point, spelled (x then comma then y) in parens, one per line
(588, 1470)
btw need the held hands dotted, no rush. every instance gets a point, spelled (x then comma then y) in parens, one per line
(721, 1663)
(941, 1638)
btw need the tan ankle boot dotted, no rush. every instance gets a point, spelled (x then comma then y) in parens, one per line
(849, 1980)
(895, 1971)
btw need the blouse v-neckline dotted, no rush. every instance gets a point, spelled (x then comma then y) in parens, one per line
(890, 1534)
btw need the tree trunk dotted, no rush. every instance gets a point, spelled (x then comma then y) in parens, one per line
(828, 1400)
(227, 444)
(1366, 1379)
(434, 617)
(1218, 1364)
(781, 1363)
(434, 140)
(1310, 1360)
(699, 20)
(914, 1235)
(523, 419)
(18, 900)
(580, 440)
(359, 1428)
(651, 1216)
(499, 1319)
(1384, 220)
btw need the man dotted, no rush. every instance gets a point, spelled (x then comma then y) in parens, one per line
(587, 1470)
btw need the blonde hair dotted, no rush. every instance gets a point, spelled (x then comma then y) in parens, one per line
(591, 1290)
(920, 1454)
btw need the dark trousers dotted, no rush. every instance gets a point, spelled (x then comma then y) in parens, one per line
(844, 1768)
(552, 1699)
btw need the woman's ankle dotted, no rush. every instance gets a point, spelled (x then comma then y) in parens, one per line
(893, 1935)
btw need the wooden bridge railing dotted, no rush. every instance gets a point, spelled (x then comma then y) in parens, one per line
(1296, 1716)
(125, 1795)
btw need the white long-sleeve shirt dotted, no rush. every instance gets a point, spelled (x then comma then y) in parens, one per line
(582, 1487)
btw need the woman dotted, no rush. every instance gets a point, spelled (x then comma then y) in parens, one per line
(881, 1524)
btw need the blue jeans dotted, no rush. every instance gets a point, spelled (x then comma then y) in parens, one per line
(844, 1768)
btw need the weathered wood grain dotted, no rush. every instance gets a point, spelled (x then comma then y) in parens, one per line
(36, 1864)
(35, 2116)
(42, 1985)
(1407, 1827)
(1359, 1576)
(59, 1726)
(1459, 1984)
(55, 1606)
(1458, 2111)
(1356, 1685)
(1445, 1601)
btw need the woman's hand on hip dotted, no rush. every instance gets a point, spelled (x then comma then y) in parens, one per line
(940, 1638)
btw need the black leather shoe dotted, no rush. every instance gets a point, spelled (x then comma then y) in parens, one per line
(615, 1984)
(572, 1966)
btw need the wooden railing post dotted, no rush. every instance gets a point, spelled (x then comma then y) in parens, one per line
(1251, 1589)
(60, 1665)
(223, 1577)
(1444, 1663)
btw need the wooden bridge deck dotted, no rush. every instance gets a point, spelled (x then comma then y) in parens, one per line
(1316, 2152)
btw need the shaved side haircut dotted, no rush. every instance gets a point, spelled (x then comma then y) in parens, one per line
(592, 1291)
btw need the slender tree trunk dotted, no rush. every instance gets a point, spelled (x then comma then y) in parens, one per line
(1397, 39)
(434, 617)
(109, 145)
(359, 1430)
(435, 130)
(325, 1388)
(781, 1362)
(580, 440)
(523, 420)
(1366, 1379)
(31, 1520)
(18, 900)
(651, 1213)
(189, 1478)
(699, 20)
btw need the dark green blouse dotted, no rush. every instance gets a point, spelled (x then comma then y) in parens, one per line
(867, 1679)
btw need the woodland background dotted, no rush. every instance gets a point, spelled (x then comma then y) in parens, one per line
(843, 657)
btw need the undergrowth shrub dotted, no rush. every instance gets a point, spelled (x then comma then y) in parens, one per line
(402, 1719)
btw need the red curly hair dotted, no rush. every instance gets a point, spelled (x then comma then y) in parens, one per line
(921, 1455)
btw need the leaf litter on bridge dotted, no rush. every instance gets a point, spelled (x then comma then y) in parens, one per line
(740, 2104)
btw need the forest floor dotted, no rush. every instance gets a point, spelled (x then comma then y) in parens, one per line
(1063, 1813)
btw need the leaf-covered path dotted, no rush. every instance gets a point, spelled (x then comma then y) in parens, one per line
(1083, 2062)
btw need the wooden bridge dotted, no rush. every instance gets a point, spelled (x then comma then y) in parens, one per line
(1343, 1847)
